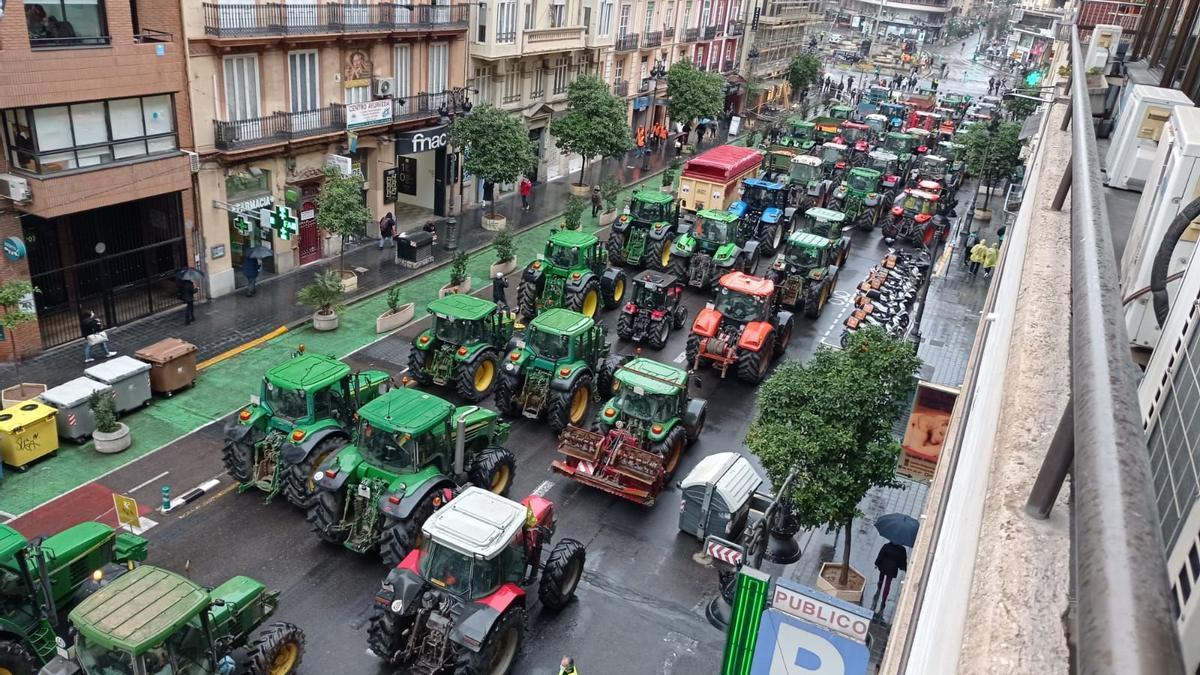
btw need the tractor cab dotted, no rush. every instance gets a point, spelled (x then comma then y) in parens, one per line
(916, 204)
(805, 169)
(921, 119)
(888, 165)
(777, 163)
(652, 206)
(977, 116)
(824, 222)
(566, 252)
(841, 112)
(921, 140)
(762, 199)
(856, 135)
(648, 393)
(809, 187)
(714, 228)
(900, 144)
(833, 159)
(894, 112)
(948, 114)
(877, 124)
(933, 169)
(805, 252)
(955, 154)
(656, 290)
(743, 298)
(640, 236)
(803, 134)
(877, 93)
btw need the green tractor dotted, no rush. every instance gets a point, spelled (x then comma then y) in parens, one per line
(709, 249)
(903, 146)
(809, 186)
(301, 416)
(831, 225)
(955, 153)
(409, 447)
(556, 369)
(462, 345)
(859, 199)
(40, 578)
(642, 238)
(573, 272)
(154, 622)
(803, 135)
(806, 272)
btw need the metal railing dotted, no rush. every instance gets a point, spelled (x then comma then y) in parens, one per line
(279, 127)
(668, 34)
(417, 106)
(621, 88)
(240, 20)
(1123, 620)
(691, 34)
(652, 39)
(627, 43)
(151, 35)
(734, 28)
(710, 32)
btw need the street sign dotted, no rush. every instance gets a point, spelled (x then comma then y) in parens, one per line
(127, 511)
(749, 599)
(725, 551)
(789, 646)
(826, 611)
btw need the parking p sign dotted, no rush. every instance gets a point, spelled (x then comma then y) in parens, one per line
(788, 646)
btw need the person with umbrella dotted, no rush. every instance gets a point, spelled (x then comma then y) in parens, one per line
(900, 530)
(186, 291)
(250, 267)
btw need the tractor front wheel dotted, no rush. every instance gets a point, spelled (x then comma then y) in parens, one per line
(238, 458)
(625, 326)
(692, 350)
(506, 393)
(18, 659)
(527, 295)
(784, 339)
(277, 650)
(401, 536)
(499, 649)
(659, 333)
(616, 248)
(772, 238)
(475, 380)
(679, 267)
(671, 449)
(326, 513)
(612, 288)
(752, 367)
(659, 253)
(570, 407)
(586, 300)
(679, 317)
(493, 470)
(562, 573)
(298, 484)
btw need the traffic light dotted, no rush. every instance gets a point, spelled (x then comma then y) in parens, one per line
(1033, 77)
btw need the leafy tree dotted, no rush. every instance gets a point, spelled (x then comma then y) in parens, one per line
(11, 294)
(1020, 108)
(831, 421)
(573, 214)
(993, 150)
(694, 93)
(340, 208)
(496, 145)
(594, 123)
(802, 71)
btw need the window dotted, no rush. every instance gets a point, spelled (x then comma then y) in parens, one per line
(403, 71)
(356, 12)
(538, 89)
(506, 22)
(1194, 559)
(669, 19)
(705, 13)
(58, 23)
(61, 138)
(606, 13)
(561, 65)
(558, 14)
(512, 88)
(483, 83)
(620, 69)
(1185, 586)
(623, 25)
(359, 94)
(646, 27)
(302, 80)
(687, 13)
(481, 22)
(439, 67)
(529, 9)
(241, 87)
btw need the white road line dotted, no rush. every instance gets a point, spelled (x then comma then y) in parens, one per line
(142, 485)
(7, 516)
(679, 357)
(544, 488)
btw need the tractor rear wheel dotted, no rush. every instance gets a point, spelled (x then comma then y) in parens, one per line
(17, 659)
(527, 295)
(416, 366)
(616, 248)
(671, 449)
(752, 367)
(772, 238)
(612, 289)
(325, 513)
(499, 649)
(586, 300)
(238, 458)
(475, 380)
(659, 333)
(401, 536)
(493, 470)
(277, 650)
(679, 267)
(298, 484)
(506, 393)
(561, 575)
(784, 338)
(570, 407)
(384, 635)
(625, 326)
(679, 317)
(606, 378)
(658, 253)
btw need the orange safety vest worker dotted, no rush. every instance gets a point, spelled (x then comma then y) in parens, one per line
(641, 139)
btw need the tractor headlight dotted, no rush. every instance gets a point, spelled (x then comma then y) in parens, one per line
(318, 476)
(508, 367)
(397, 606)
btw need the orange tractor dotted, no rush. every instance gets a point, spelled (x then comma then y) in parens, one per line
(746, 328)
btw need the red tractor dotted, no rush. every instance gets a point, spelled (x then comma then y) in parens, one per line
(912, 218)
(746, 327)
(458, 603)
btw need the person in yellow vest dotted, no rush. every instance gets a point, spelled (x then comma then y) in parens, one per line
(978, 251)
(990, 258)
(567, 666)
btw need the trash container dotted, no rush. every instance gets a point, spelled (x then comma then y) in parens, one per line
(26, 433)
(414, 249)
(716, 496)
(128, 377)
(172, 365)
(74, 419)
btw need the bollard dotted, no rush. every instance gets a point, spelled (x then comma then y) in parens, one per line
(166, 495)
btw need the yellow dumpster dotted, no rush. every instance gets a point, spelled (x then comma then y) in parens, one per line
(27, 432)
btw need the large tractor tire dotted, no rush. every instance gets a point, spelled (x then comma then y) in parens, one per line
(238, 458)
(493, 470)
(772, 238)
(752, 367)
(659, 332)
(18, 659)
(750, 261)
(326, 512)
(586, 300)
(692, 350)
(783, 337)
(561, 575)
(506, 393)
(671, 449)
(475, 380)
(298, 484)
(625, 326)
(570, 407)
(679, 317)
(278, 650)
(401, 536)
(606, 380)
(527, 295)
(616, 248)
(694, 432)
(384, 635)
(658, 253)
(499, 650)
(818, 296)
(612, 287)
(416, 366)
(679, 267)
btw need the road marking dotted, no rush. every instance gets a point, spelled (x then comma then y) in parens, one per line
(679, 357)
(142, 485)
(7, 516)
(543, 488)
(146, 524)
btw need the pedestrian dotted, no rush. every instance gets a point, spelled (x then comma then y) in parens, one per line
(387, 230)
(934, 86)
(567, 666)
(972, 239)
(991, 83)
(187, 293)
(93, 335)
(963, 48)
(1000, 232)
(944, 67)
(891, 560)
(525, 187)
(430, 228)
(595, 200)
(978, 253)
(990, 258)
(700, 129)
(499, 290)
(250, 268)
(679, 144)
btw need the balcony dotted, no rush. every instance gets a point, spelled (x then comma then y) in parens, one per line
(668, 34)
(735, 28)
(250, 20)
(710, 32)
(621, 88)
(419, 106)
(690, 35)
(553, 40)
(627, 43)
(728, 66)
(279, 127)
(652, 39)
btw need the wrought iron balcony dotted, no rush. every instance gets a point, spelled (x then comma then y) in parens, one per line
(627, 43)
(710, 32)
(243, 20)
(418, 106)
(279, 127)
(691, 34)
(668, 34)
(735, 28)
(652, 39)
(621, 88)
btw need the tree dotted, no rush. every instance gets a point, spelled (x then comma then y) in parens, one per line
(1020, 108)
(802, 71)
(831, 421)
(594, 123)
(340, 208)
(992, 152)
(694, 93)
(495, 144)
(11, 294)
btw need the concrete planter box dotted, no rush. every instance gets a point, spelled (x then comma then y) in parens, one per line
(449, 289)
(579, 190)
(117, 441)
(349, 281)
(608, 218)
(827, 583)
(19, 393)
(506, 267)
(390, 321)
(325, 321)
(493, 222)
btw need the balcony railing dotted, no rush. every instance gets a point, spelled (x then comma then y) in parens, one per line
(668, 34)
(727, 66)
(691, 34)
(239, 20)
(621, 88)
(414, 107)
(627, 43)
(279, 127)
(734, 28)
(652, 39)
(710, 32)
(565, 38)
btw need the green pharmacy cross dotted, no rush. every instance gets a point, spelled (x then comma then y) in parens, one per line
(242, 225)
(283, 222)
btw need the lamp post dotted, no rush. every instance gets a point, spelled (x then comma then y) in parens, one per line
(457, 103)
(656, 73)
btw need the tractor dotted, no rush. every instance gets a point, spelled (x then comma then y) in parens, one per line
(155, 622)
(859, 198)
(912, 217)
(825, 129)
(922, 142)
(888, 166)
(301, 416)
(639, 436)
(895, 114)
(901, 145)
(932, 168)
(809, 187)
(458, 602)
(573, 272)
(709, 249)
(806, 273)
(777, 164)
(409, 447)
(744, 328)
(47, 576)
(877, 124)
(461, 345)
(803, 135)
(955, 154)
(654, 310)
(857, 137)
(833, 161)
(556, 369)
(765, 212)
(829, 224)
(642, 238)
(841, 112)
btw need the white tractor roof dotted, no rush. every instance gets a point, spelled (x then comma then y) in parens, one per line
(476, 523)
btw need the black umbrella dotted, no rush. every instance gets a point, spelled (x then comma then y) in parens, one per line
(898, 528)
(191, 274)
(259, 252)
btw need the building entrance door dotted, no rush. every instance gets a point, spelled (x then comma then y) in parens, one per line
(310, 235)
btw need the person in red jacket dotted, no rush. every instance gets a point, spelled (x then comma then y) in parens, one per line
(525, 187)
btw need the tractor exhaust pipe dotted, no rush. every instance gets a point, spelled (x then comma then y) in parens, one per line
(460, 441)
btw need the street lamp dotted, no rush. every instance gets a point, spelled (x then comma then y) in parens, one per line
(656, 73)
(457, 103)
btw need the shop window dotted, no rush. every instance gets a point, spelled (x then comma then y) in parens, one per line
(65, 23)
(241, 185)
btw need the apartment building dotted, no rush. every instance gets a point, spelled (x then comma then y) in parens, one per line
(778, 33)
(918, 20)
(280, 91)
(96, 205)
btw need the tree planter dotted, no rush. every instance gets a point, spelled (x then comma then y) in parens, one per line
(608, 218)
(827, 582)
(494, 221)
(506, 267)
(112, 443)
(19, 393)
(325, 321)
(579, 190)
(981, 214)
(450, 289)
(389, 320)
(349, 281)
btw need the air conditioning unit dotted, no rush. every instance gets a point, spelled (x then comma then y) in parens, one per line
(227, 133)
(383, 87)
(15, 188)
(1135, 138)
(194, 160)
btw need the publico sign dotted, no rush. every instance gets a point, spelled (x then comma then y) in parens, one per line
(821, 612)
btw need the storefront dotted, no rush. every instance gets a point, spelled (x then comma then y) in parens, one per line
(248, 193)
(421, 176)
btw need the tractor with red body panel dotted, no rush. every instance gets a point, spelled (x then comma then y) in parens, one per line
(856, 136)
(745, 327)
(912, 218)
(458, 603)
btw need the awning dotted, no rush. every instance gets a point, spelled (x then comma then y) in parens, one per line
(734, 78)
(1031, 125)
